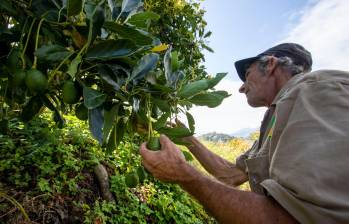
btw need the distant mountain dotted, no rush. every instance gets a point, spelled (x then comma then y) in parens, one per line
(221, 137)
(244, 133)
(215, 137)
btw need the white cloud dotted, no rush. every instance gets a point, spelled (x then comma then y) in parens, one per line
(324, 30)
(232, 115)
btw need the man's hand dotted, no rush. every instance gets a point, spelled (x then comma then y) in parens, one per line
(225, 203)
(168, 164)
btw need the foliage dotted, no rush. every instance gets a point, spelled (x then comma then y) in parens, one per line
(127, 67)
(55, 181)
(254, 136)
(151, 203)
(182, 25)
(107, 56)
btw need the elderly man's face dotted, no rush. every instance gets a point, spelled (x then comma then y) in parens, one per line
(256, 87)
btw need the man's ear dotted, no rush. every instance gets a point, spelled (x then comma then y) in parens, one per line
(272, 65)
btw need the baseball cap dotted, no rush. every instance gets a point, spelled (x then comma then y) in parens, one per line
(298, 54)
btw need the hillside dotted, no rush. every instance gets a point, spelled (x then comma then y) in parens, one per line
(215, 137)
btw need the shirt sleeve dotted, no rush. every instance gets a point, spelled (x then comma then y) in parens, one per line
(309, 169)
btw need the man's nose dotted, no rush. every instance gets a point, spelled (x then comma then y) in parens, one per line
(242, 88)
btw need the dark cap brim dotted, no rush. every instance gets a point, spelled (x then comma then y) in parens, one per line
(242, 65)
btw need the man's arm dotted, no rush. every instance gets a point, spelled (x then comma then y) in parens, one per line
(220, 168)
(225, 203)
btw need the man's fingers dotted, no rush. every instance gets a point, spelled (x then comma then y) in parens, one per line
(164, 141)
(147, 166)
(145, 152)
(143, 149)
(147, 156)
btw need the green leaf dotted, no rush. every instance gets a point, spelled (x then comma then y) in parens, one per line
(212, 99)
(162, 104)
(93, 98)
(179, 141)
(223, 93)
(44, 185)
(146, 64)
(213, 82)
(142, 20)
(196, 87)
(207, 48)
(208, 34)
(129, 5)
(193, 88)
(111, 49)
(110, 117)
(96, 120)
(176, 132)
(52, 52)
(107, 74)
(74, 7)
(127, 32)
(191, 122)
(161, 122)
(73, 67)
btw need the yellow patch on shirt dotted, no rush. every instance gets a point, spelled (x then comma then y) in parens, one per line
(271, 126)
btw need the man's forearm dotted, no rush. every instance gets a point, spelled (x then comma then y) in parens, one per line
(229, 205)
(220, 168)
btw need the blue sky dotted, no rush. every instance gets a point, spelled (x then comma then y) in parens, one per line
(244, 28)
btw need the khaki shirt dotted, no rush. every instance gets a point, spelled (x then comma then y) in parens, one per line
(302, 156)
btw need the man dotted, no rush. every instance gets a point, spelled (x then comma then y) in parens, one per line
(298, 169)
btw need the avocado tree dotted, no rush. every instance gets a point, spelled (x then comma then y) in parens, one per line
(116, 64)
(182, 25)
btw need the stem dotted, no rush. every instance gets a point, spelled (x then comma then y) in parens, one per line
(150, 128)
(36, 43)
(15, 203)
(62, 63)
(59, 14)
(26, 43)
(58, 24)
(86, 69)
(21, 44)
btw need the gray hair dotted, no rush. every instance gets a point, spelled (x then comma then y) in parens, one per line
(285, 62)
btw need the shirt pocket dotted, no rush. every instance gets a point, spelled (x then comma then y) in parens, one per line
(258, 170)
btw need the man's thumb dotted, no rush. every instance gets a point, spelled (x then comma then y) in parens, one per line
(164, 140)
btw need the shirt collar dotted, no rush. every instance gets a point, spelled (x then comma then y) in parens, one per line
(290, 83)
